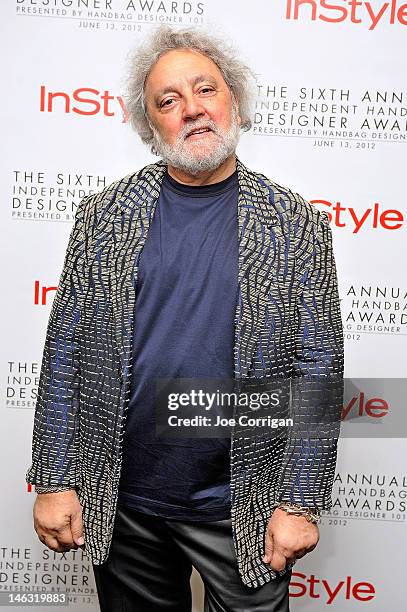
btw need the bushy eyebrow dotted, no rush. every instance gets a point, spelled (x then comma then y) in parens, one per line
(199, 78)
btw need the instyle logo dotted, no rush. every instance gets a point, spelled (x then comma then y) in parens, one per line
(352, 11)
(371, 218)
(359, 406)
(41, 293)
(328, 591)
(85, 101)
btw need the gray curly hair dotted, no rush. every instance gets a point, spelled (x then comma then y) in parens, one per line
(237, 75)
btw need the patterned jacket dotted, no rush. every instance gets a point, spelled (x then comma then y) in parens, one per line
(287, 324)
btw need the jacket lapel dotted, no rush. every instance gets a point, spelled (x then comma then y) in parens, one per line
(262, 248)
(131, 221)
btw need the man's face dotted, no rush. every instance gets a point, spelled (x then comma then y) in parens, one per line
(192, 113)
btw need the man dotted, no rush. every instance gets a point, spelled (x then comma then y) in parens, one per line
(192, 267)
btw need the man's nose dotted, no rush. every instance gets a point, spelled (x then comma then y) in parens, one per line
(193, 107)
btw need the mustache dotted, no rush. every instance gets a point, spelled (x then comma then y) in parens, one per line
(197, 125)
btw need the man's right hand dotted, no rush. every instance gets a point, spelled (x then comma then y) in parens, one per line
(58, 520)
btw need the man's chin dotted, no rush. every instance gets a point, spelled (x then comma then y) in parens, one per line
(196, 165)
(199, 149)
(201, 158)
(194, 157)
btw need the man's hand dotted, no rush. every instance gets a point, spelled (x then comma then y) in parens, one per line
(288, 537)
(58, 520)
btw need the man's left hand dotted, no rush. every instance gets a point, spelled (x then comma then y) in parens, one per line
(288, 538)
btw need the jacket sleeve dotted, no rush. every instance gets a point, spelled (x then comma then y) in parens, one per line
(309, 462)
(55, 433)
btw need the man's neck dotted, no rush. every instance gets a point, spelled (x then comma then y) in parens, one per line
(221, 173)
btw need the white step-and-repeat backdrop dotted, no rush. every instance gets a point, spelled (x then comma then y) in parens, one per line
(331, 123)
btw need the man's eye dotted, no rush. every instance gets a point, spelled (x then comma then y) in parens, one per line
(206, 89)
(167, 102)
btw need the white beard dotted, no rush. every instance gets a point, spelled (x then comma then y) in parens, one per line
(199, 156)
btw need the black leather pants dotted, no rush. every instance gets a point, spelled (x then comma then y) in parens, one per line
(150, 564)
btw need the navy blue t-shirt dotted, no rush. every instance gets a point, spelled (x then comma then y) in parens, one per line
(184, 328)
